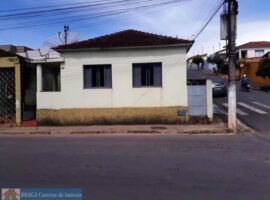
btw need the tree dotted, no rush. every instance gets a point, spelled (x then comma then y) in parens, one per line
(264, 68)
(198, 60)
(218, 60)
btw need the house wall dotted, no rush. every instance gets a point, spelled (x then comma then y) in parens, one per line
(13, 62)
(251, 51)
(173, 93)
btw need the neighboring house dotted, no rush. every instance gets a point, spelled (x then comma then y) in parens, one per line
(17, 89)
(125, 77)
(253, 49)
(250, 68)
(14, 49)
(222, 53)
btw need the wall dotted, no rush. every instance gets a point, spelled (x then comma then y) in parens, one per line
(251, 51)
(250, 70)
(72, 95)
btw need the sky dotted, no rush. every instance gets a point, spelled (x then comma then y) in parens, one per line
(183, 20)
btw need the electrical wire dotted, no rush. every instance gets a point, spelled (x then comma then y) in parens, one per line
(209, 20)
(70, 10)
(49, 6)
(99, 15)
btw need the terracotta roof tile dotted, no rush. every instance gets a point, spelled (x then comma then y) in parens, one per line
(127, 38)
(255, 44)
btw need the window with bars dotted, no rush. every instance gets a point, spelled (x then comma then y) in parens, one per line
(147, 75)
(97, 76)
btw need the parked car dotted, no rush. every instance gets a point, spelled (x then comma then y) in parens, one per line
(219, 88)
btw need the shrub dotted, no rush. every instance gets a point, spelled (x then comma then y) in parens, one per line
(264, 68)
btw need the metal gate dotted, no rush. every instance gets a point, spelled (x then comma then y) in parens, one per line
(197, 100)
(7, 96)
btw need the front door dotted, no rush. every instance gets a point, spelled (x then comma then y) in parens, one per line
(7, 96)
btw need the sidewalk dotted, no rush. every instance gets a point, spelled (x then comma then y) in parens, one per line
(215, 128)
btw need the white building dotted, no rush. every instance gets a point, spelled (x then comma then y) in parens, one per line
(253, 49)
(125, 77)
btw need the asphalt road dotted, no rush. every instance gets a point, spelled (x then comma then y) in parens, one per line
(133, 167)
(253, 107)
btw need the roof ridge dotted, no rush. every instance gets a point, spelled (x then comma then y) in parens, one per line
(133, 30)
(126, 38)
(255, 43)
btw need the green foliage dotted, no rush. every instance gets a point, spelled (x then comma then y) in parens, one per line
(264, 68)
(219, 61)
(197, 60)
(216, 59)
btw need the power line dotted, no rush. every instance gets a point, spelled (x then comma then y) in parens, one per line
(98, 15)
(73, 10)
(50, 6)
(210, 19)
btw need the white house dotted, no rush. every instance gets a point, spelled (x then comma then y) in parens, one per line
(128, 76)
(253, 49)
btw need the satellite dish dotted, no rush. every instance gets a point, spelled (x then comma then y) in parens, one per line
(62, 38)
(44, 51)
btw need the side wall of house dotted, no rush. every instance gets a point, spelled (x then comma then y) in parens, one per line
(172, 94)
(251, 51)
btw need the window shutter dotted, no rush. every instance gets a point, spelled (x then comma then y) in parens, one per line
(137, 75)
(108, 76)
(158, 74)
(87, 77)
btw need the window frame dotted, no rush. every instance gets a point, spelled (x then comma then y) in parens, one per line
(42, 78)
(259, 50)
(147, 86)
(97, 87)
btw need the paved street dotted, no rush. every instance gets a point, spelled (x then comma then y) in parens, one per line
(140, 166)
(253, 108)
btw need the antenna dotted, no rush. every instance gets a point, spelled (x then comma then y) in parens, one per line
(66, 30)
(62, 38)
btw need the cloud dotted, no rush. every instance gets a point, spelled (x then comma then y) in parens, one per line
(183, 20)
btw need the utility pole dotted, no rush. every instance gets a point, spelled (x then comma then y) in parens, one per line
(232, 18)
(66, 30)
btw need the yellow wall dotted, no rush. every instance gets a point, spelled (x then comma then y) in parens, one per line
(13, 62)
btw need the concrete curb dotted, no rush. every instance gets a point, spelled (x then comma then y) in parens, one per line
(154, 132)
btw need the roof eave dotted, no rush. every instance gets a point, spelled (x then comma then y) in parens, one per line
(187, 45)
(50, 60)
